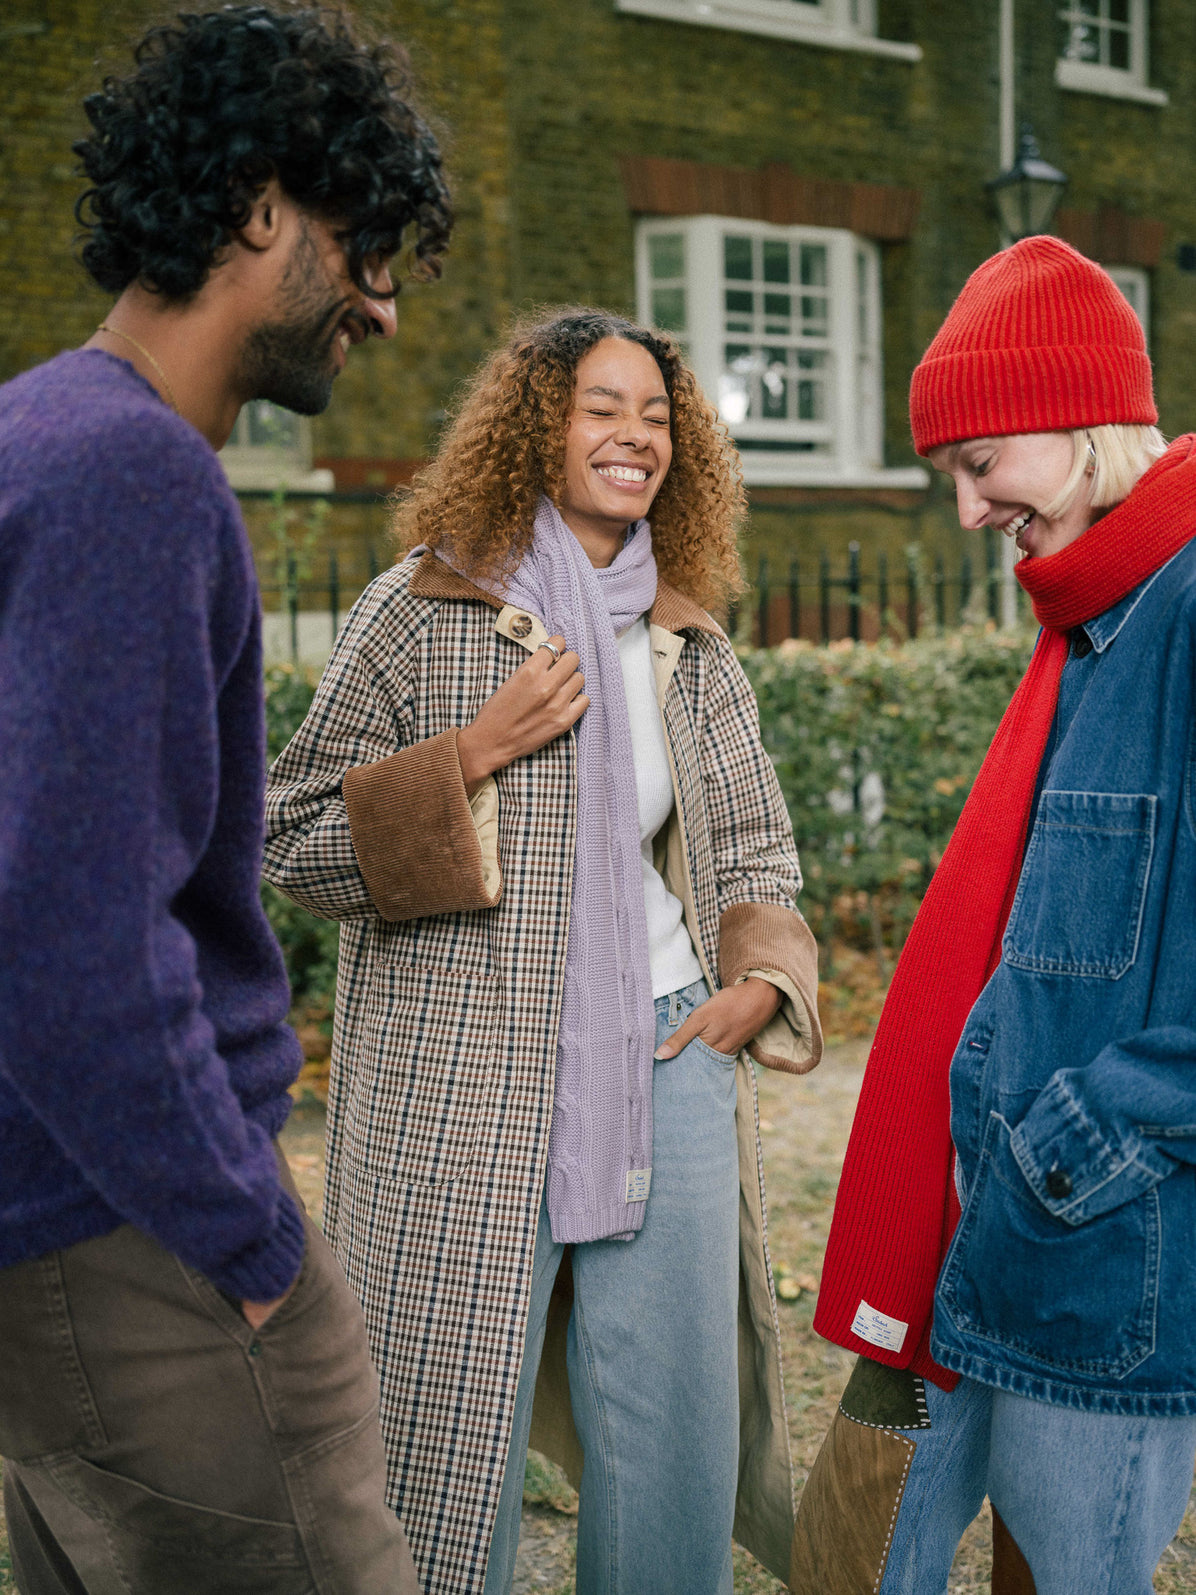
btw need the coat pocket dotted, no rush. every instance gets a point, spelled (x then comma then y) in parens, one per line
(417, 1098)
(1077, 1298)
(1078, 909)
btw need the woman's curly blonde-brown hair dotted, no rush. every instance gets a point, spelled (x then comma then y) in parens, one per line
(506, 446)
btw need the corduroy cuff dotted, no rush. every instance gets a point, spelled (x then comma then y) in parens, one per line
(422, 845)
(776, 943)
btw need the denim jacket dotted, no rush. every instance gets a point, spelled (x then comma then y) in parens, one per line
(1071, 1277)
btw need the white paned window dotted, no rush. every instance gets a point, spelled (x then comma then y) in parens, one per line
(1103, 49)
(270, 447)
(782, 326)
(1134, 283)
(835, 24)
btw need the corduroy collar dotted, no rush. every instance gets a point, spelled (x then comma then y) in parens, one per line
(671, 609)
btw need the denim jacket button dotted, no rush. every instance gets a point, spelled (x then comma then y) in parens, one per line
(1081, 643)
(1058, 1183)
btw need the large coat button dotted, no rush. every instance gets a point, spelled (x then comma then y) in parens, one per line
(521, 626)
(1058, 1184)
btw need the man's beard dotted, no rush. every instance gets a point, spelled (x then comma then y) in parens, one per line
(289, 361)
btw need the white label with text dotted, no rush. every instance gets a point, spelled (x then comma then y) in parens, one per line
(877, 1328)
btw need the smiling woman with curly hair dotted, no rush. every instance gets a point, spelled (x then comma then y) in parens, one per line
(506, 448)
(532, 786)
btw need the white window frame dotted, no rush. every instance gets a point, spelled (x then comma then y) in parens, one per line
(1099, 77)
(263, 465)
(849, 441)
(1134, 282)
(831, 24)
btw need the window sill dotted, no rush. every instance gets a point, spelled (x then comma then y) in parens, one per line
(1083, 78)
(782, 470)
(770, 18)
(270, 474)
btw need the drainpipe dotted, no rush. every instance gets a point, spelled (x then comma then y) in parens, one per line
(1006, 138)
(1005, 133)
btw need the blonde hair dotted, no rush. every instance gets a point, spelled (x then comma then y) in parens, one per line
(505, 446)
(1106, 462)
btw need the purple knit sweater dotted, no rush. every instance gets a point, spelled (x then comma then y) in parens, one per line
(144, 1054)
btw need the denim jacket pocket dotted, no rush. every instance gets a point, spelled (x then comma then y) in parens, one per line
(1077, 1294)
(1078, 909)
(1078, 1168)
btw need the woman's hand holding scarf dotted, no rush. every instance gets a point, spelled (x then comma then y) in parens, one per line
(538, 703)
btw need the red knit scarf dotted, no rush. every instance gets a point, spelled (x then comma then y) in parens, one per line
(896, 1208)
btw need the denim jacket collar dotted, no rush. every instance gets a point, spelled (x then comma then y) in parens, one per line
(1102, 628)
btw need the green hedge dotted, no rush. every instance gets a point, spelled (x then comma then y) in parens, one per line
(875, 746)
(310, 944)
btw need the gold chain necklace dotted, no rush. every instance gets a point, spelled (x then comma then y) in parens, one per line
(141, 349)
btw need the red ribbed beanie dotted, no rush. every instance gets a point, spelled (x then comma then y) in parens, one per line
(1040, 340)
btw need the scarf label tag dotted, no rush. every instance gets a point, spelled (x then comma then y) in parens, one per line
(877, 1328)
(638, 1183)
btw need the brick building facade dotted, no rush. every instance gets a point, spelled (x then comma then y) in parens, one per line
(797, 187)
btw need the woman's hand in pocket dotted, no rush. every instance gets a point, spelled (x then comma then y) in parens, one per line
(728, 1020)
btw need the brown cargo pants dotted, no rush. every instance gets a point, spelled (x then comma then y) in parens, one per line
(155, 1444)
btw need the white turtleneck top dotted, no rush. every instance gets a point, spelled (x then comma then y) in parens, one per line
(673, 960)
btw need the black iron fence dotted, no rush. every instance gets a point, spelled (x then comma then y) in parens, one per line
(301, 591)
(825, 601)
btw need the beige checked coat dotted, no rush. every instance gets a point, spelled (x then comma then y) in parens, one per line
(455, 917)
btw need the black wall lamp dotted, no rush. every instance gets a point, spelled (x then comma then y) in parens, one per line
(1026, 196)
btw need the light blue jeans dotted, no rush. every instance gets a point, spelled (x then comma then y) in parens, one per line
(1092, 1498)
(651, 1354)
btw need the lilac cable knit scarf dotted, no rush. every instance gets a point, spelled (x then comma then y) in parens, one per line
(600, 1144)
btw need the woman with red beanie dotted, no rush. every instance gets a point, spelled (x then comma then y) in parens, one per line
(1012, 1250)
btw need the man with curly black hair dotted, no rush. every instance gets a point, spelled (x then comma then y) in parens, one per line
(186, 1397)
(250, 183)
